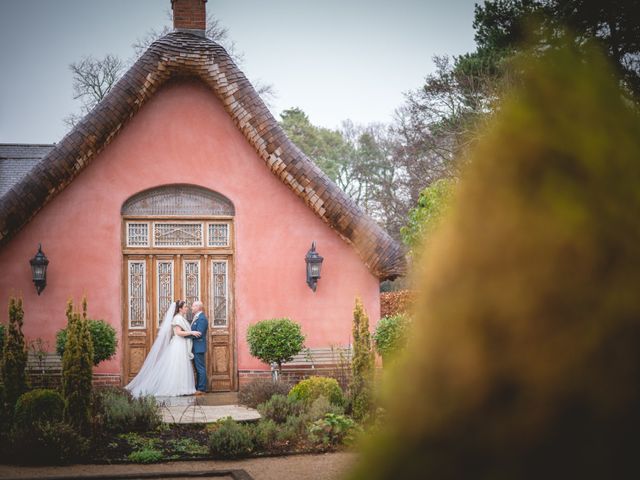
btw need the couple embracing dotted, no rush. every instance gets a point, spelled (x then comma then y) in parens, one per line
(167, 371)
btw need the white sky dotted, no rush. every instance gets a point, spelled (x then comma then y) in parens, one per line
(335, 59)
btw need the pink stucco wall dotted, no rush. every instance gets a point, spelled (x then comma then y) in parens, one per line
(183, 135)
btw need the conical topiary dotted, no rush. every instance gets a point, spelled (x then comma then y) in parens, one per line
(362, 365)
(14, 354)
(525, 357)
(77, 370)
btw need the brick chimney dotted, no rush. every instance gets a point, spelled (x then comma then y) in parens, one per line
(189, 16)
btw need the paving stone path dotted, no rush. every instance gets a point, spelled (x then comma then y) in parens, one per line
(327, 466)
(204, 409)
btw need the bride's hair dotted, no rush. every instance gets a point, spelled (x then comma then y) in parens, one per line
(179, 305)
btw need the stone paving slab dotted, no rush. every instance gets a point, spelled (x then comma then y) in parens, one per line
(195, 413)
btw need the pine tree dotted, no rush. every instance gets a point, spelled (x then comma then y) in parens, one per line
(14, 359)
(77, 369)
(362, 364)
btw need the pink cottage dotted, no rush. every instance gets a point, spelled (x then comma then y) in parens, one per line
(180, 184)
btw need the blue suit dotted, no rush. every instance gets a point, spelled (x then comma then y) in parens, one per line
(201, 324)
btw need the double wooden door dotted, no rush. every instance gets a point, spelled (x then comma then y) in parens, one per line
(154, 281)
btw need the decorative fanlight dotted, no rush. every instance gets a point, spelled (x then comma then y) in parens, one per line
(39, 269)
(314, 265)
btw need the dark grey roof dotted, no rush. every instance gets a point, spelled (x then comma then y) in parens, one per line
(16, 159)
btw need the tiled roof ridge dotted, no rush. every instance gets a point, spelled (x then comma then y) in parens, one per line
(4, 144)
(183, 54)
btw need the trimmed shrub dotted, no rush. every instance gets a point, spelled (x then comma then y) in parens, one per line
(320, 407)
(103, 338)
(309, 389)
(260, 391)
(265, 434)
(121, 412)
(361, 365)
(41, 405)
(14, 355)
(275, 341)
(146, 455)
(391, 335)
(330, 430)
(293, 429)
(230, 439)
(279, 407)
(49, 443)
(77, 369)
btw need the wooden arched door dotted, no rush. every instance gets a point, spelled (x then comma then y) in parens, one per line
(168, 257)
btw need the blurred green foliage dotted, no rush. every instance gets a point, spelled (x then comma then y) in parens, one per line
(524, 360)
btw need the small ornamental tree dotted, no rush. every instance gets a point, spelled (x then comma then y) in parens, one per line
(275, 341)
(391, 335)
(14, 355)
(103, 338)
(362, 365)
(77, 368)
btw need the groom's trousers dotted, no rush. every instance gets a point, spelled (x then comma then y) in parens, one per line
(201, 371)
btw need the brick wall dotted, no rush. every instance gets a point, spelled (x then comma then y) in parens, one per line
(293, 376)
(189, 14)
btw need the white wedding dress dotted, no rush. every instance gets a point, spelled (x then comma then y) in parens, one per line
(167, 370)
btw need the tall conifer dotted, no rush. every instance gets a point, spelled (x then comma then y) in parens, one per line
(77, 369)
(14, 361)
(362, 364)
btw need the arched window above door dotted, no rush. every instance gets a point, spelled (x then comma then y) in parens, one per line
(178, 200)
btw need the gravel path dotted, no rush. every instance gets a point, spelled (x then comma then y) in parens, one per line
(328, 466)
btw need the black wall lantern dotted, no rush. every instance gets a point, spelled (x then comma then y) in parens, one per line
(314, 265)
(39, 269)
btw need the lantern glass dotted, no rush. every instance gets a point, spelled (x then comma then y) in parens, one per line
(315, 270)
(39, 269)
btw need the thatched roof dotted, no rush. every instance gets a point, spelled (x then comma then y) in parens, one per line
(182, 54)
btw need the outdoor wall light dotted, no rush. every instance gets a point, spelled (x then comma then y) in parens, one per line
(314, 265)
(39, 269)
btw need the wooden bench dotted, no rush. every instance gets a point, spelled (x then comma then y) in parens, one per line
(47, 363)
(320, 357)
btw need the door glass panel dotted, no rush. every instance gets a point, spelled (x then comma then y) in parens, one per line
(177, 234)
(191, 283)
(165, 287)
(219, 293)
(137, 281)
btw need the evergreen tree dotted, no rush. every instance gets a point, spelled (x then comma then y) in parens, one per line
(362, 364)
(77, 369)
(14, 359)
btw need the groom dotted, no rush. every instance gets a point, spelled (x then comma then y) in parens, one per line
(200, 324)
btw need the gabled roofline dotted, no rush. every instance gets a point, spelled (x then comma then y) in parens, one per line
(183, 54)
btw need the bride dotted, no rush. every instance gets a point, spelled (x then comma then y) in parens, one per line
(167, 370)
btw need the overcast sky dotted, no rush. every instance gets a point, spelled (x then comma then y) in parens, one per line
(335, 59)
